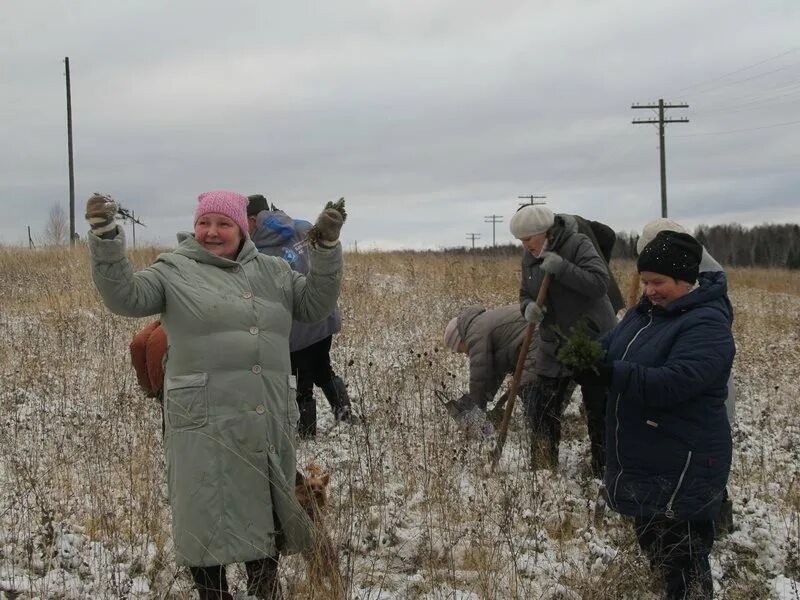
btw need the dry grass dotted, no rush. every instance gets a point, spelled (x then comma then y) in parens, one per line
(412, 509)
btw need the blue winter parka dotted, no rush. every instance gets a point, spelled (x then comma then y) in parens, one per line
(668, 436)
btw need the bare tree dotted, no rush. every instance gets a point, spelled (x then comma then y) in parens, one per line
(56, 229)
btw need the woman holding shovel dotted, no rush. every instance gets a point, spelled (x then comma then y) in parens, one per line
(578, 286)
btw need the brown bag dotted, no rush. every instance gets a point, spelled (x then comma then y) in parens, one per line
(148, 348)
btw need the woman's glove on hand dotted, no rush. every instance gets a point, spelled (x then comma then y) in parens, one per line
(100, 212)
(552, 263)
(598, 376)
(534, 313)
(329, 224)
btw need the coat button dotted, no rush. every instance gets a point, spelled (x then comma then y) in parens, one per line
(254, 330)
(272, 448)
(260, 409)
(256, 369)
(235, 269)
(247, 295)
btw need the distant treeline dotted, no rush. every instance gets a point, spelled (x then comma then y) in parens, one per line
(731, 245)
(737, 246)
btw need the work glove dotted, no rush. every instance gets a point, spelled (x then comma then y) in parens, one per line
(599, 375)
(534, 313)
(552, 263)
(325, 231)
(474, 424)
(329, 223)
(100, 212)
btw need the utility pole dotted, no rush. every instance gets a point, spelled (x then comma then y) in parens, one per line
(531, 198)
(663, 156)
(129, 215)
(30, 239)
(494, 220)
(71, 167)
(473, 237)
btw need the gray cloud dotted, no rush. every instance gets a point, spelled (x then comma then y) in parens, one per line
(426, 116)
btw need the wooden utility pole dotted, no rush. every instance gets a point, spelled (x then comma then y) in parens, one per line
(494, 220)
(473, 237)
(663, 155)
(71, 168)
(30, 239)
(531, 199)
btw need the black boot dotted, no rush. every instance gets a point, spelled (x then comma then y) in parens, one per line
(211, 583)
(336, 392)
(307, 427)
(262, 579)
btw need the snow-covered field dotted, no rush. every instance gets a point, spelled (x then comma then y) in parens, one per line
(83, 512)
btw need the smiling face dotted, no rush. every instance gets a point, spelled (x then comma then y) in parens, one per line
(219, 235)
(663, 290)
(534, 243)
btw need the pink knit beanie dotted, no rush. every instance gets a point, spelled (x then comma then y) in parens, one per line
(230, 204)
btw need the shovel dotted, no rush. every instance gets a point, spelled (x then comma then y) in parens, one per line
(497, 451)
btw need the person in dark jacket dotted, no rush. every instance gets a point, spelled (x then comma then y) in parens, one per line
(492, 339)
(724, 524)
(277, 234)
(669, 440)
(578, 293)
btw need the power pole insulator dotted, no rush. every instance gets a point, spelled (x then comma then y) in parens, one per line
(531, 198)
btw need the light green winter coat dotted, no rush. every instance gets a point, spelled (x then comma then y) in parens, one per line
(229, 399)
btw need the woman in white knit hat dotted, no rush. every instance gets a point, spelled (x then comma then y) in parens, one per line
(579, 279)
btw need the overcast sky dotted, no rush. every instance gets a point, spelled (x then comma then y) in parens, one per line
(426, 115)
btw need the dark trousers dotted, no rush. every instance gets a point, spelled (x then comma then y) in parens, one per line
(679, 551)
(544, 402)
(594, 402)
(311, 366)
(262, 580)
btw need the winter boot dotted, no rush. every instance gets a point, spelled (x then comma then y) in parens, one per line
(308, 414)
(262, 579)
(335, 391)
(211, 583)
(724, 522)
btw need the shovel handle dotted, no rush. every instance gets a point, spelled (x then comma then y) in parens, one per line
(512, 390)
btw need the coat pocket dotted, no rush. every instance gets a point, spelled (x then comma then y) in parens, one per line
(186, 401)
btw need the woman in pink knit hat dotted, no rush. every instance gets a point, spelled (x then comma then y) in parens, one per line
(229, 396)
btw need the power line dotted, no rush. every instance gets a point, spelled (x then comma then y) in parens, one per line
(662, 152)
(730, 83)
(739, 130)
(748, 67)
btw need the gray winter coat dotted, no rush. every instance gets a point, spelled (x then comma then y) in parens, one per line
(578, 291)
(277, 234)
(229, 399)
(493, 339)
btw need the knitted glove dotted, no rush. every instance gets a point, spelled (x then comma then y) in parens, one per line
(329, 223)
(534, 313)
(599, 375)
(325, 231)
(100, 211)
(552, 263)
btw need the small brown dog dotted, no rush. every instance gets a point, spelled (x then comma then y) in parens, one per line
(311, 491)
